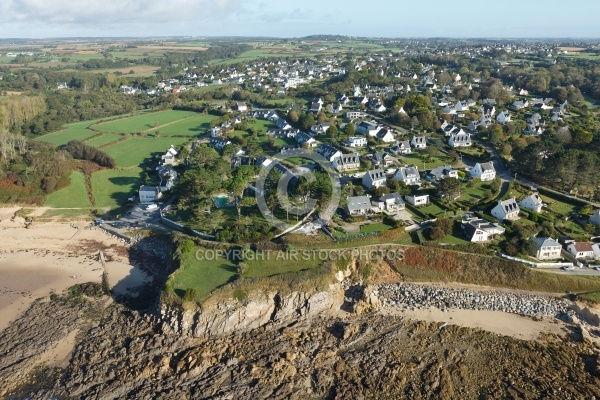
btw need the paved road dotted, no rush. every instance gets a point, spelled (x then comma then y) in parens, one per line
(576, 271)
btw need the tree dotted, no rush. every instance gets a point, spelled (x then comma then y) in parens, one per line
(306, 120)
(435, 233)
(445, 224)
(293, 115)
(449, 188)
(349, 129)
(333, 133)
(381, 190)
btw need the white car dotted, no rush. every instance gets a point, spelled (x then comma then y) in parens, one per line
(597, 268)
(567, 268)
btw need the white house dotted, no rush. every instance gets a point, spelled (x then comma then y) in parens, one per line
(417, 200)
(385, 135)
(329, 152)
(149, 194)
(418, 142)
(479, 230)
(374, 178)
(358, 205)
(169, 157)
(532, 202)
(409, 175)
(484, 171)
(507, 209)
(390, 202)
(460, 140)
(503, 117)
(367, 128)
(547, 248)
(402, 147)
(219, 143)
(581, 250)
(356, 141)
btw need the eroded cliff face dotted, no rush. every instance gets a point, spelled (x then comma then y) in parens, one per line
(259, 310)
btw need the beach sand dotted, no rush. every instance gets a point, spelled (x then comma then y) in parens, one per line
(50, 257)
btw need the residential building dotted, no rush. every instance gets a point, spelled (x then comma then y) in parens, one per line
(480, 231)
(547, 248)
(328, 151)
(356, 141)
(402, 147)
(358, 205)
(533, 202)
(346, 162)
(503, 117)
(409, 175)
(374, 178)
(352, 115)
(149, 194)
(381, 159)
(581, 250)
(241, 107)
(506, 210)
(461, 139)
(418, 142)
(484, 171)
(385, 135)
(367, 128)
(417, 200)
(219, 143)
(439, 173)
(303, 138)
(390, 202)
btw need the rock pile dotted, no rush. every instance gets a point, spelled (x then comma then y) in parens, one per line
(423, 297)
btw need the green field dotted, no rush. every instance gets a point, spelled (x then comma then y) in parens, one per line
(112, 187)
(103, 139)
(203, 276)
(76, 131)
(145, 122)
(190, 126)
(270, 265)
(72, 196)
(136, 151)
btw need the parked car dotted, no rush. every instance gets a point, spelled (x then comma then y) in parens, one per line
(568, 268)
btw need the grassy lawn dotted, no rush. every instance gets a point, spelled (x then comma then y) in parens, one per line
(556, 206)
(136, 151)
(377, 227)
(432, 209)
(112, 187)
(72, 196)
(103, 139)
(590, 296)
(473, 194)
(276, 263)
(190, 126)
(76, 131)
(145, 122)
(417, 159)
(203, 276)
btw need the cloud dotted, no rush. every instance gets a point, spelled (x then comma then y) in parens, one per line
(92, 14)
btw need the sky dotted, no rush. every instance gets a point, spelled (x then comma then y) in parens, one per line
(285, 18)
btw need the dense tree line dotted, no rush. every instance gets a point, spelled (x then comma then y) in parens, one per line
(30, 169)
(17, 109)
(81, 151)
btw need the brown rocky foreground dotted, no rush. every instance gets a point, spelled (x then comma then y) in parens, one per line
(303, 348)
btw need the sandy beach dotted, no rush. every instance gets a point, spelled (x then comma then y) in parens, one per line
(50, 257)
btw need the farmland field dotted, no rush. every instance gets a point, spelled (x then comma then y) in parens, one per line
(112, 187)
(72, 196)
(142, 123)
(103, 139)
(190, 126)
(76, 131)
(135, 151)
